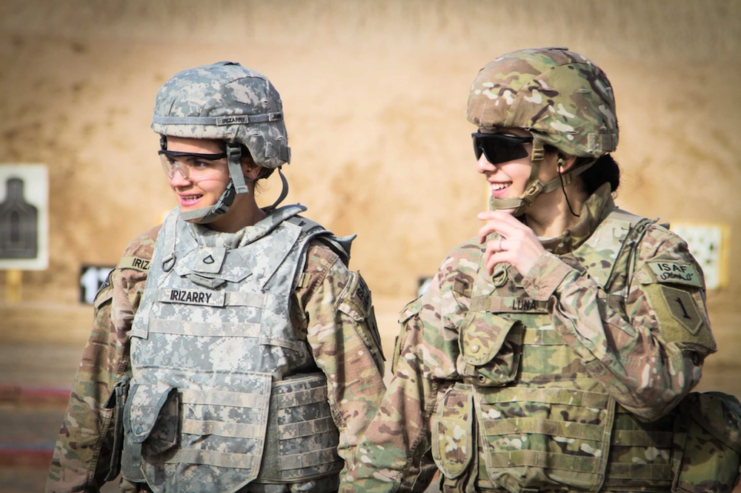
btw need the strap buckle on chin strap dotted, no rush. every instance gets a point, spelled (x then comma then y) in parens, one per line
(234, 161)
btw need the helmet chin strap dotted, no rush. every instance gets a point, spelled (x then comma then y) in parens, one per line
(205, 215)
(534, 186)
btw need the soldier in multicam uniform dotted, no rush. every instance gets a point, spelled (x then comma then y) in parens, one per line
(551, 351)
(232, 350)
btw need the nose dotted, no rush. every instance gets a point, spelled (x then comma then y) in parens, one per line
(483, 166)
(177, 177)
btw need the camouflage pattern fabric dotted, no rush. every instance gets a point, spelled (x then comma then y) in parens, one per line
(561, 96)
(335, 338)
(83, 451)
(707, 445)
(225, 101)
(617, 365)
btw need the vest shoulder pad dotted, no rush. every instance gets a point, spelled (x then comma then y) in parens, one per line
(311, 229)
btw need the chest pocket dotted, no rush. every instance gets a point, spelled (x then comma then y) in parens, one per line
(491, 349)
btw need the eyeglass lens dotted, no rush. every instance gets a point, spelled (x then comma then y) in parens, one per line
(499, 148)
(191, 167)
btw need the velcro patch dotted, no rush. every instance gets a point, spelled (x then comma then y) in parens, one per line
(683, 308)
(192, 297)
(462, 287)
(675, 272)
(135, 263)
(363, 295)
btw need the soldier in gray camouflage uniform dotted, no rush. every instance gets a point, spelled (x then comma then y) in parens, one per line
(232, 349)
(552, 351)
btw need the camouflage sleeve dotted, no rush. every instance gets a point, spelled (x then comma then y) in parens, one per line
(646, 350)
(83, 450)
(342, 332)
(390, 456)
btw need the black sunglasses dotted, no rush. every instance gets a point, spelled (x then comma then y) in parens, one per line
(499, 148)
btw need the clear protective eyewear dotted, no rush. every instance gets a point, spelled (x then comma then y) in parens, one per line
(499, 148)
(193, 166)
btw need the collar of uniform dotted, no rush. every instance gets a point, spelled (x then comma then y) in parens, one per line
(207, 237)
(593, 212)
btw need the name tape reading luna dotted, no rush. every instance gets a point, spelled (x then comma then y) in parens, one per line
(192, 297)
(675, 272)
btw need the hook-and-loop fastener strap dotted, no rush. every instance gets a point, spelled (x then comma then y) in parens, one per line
(549, 460)
(218, 120)
(306, 428)
(202, 329)
(542, 337)
(549, 396)
(256, 300)
(210, 298)
(579, 463)
(642, 438)
(507, 304)
(638, 471)
(211, 458)
(219, 428)
(299, 398)
(298, 461)
(510, 426)
(223, 398)
(181, 327)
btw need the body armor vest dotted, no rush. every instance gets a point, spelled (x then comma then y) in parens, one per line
(543, 422)
(223, 393)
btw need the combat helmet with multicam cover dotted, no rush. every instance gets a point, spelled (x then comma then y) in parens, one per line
(228, 102)
(564, 99)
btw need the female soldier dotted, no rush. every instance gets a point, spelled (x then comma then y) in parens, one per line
(549, 349)
(208, 364)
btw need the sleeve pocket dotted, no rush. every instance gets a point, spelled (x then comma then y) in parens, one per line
(407, 313)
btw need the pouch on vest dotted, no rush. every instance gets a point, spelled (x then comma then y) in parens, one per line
(453, 441)
(707, 443)
(544, 438)
(117, 402)
(151, 418)
(302, 438)
(491, 348)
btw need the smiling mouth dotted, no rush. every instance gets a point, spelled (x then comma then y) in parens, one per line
(498, 187)
(189, 199)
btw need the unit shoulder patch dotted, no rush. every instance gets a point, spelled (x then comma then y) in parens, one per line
(669, 271)
(683, 308)
(135, 263)
(680, 315)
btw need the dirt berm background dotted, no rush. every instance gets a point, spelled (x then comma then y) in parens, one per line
(374, 95)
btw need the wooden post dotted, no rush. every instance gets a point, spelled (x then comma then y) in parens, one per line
(13, 283)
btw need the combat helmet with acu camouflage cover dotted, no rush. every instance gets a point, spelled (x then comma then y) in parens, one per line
(561, 97)
(228, 102)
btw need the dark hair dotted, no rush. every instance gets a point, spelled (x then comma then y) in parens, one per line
(604, 170)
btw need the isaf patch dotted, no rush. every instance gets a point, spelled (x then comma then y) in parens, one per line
(676, 272)
(683, 308)
(135, 263)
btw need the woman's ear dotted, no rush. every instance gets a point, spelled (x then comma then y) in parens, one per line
(250, 170)
(565, 163)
